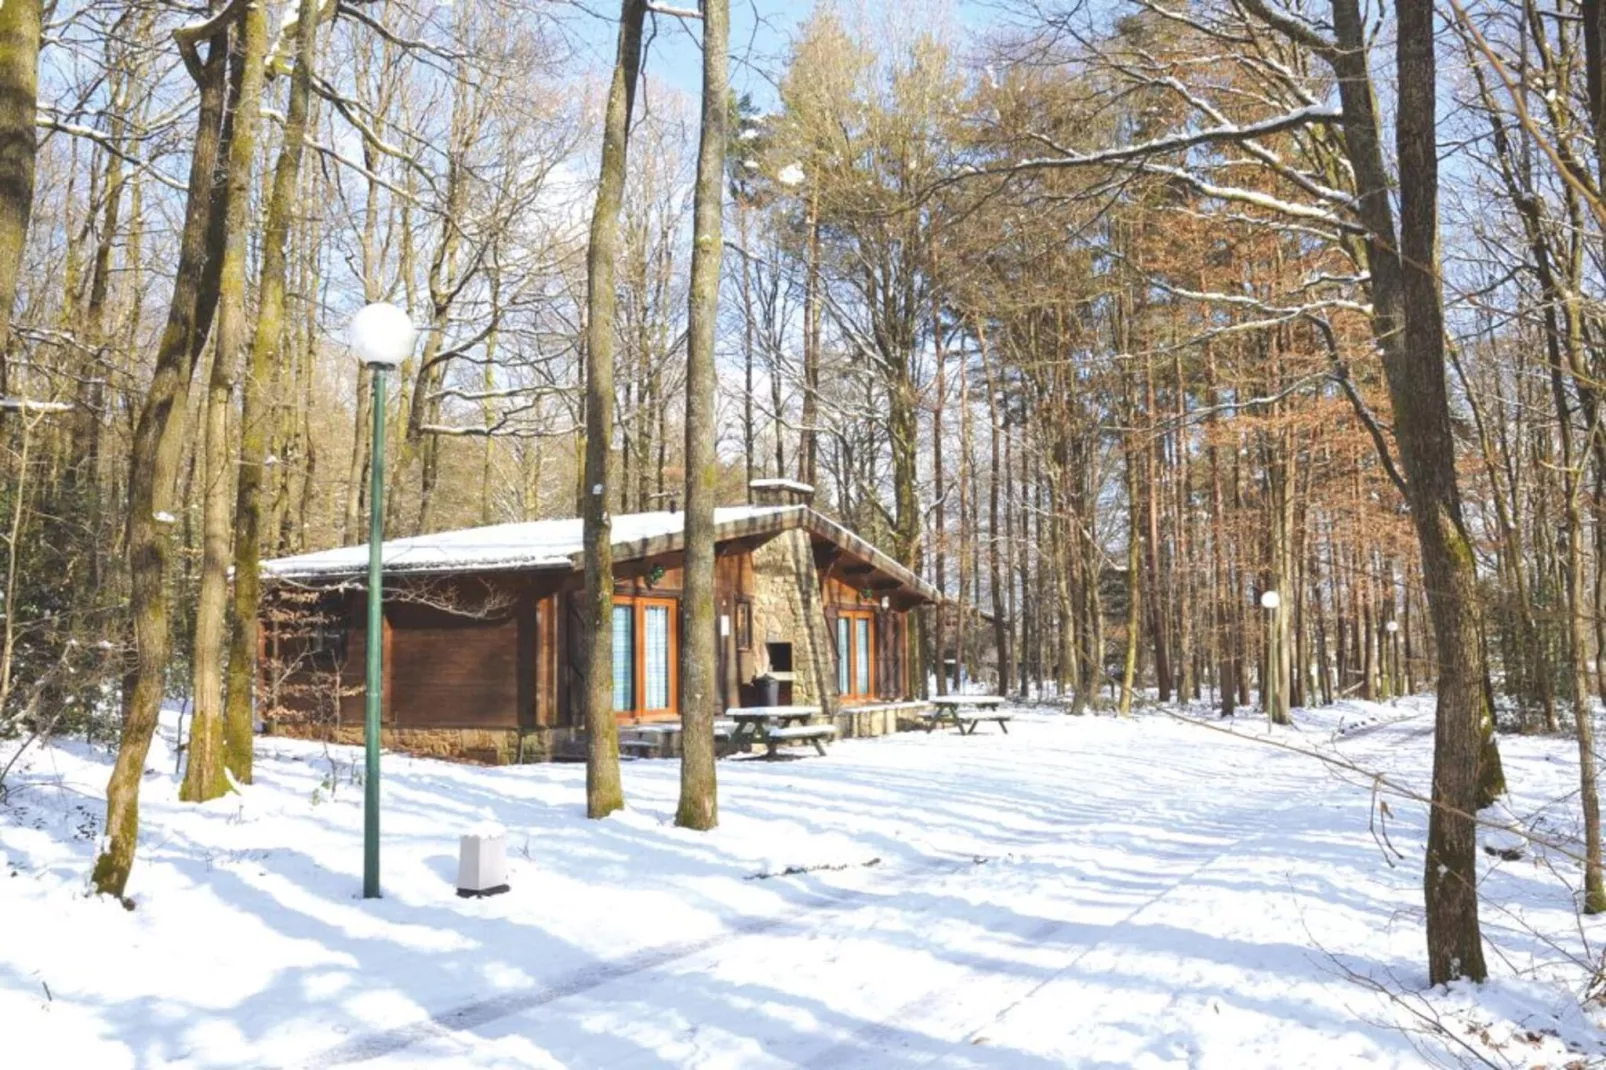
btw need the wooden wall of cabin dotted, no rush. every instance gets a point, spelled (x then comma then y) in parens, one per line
(469, 652)
(448, 670)
(311, 663)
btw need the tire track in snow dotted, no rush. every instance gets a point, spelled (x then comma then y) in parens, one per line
(867, 1046)
(445, 1025)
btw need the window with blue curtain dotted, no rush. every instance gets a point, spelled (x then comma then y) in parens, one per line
(844, 654)
(624, 657)
(861, 656)
(655, 633)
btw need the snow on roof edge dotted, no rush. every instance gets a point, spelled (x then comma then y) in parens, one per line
(536, 544)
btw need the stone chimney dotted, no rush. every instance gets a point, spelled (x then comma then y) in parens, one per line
(781, 492)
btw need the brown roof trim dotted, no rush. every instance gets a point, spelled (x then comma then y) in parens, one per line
(828, 529)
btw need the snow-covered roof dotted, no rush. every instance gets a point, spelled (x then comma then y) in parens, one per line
(558, 545)
(781, 484)
(536, 544)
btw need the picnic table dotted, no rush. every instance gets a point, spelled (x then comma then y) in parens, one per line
(775, 725)
(965, 712)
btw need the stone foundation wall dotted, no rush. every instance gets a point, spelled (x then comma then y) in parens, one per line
(788, 608)
(501, 746)
(489, 746)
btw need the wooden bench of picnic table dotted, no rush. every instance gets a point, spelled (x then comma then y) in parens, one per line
(755, 723)
(816, 734)
(966, 712)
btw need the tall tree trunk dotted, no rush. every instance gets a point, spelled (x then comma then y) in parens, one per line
(699, 803)
(1279, 503)
(19, 94)
(939, 520)
(995, 579)
(1415, 366)
(1408, 325)
(603, 791)
(749, 445)
(1134, 589)
(204, 776)
(257, 412)
(154, 466)
(1158, 602)
(808, 444)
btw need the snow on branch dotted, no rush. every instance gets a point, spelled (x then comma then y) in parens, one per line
(30, 405)
(1257, 198)
(1219, 134)
(89, 133)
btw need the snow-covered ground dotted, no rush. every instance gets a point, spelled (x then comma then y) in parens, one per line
(1081, 892)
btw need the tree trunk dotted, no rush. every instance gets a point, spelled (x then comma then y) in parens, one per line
(1415, 366)
(995, 579)
(939, 489)
(699, 804)
(1134, 589)
(204, 776)
(19, 92)
(153, 471)
(1279, 504)
(808, 451)
(603, 791)
(257, 412)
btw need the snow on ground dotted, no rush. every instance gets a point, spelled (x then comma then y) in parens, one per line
(1084, 892)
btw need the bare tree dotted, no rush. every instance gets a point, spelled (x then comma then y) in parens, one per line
(158, 440)
(204, 776)
(699, 800)
(19, 91)
(603, 792)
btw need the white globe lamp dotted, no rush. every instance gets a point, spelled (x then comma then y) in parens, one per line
(382, 335)
(1270, 600)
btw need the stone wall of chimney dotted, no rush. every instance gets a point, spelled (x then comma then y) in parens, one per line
(788, 608)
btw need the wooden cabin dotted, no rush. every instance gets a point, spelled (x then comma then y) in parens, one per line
(481, 628)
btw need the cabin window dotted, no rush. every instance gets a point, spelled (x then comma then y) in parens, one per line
(861, 656)
(855, 654)
(643, 655)
(624, 657)
(655, 655)
(844, 653)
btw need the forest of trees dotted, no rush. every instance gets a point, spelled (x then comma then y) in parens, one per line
(1107, 321)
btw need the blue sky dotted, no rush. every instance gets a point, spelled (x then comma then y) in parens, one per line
(760, 30)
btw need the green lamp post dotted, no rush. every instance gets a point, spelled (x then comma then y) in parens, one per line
(382, 337)
(1269, 601)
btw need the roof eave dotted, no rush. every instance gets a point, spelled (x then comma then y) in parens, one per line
(826, 528)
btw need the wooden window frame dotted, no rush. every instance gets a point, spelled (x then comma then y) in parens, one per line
(639, 605)
(852, 617)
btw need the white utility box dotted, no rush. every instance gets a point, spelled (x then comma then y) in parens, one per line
(482, 862)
